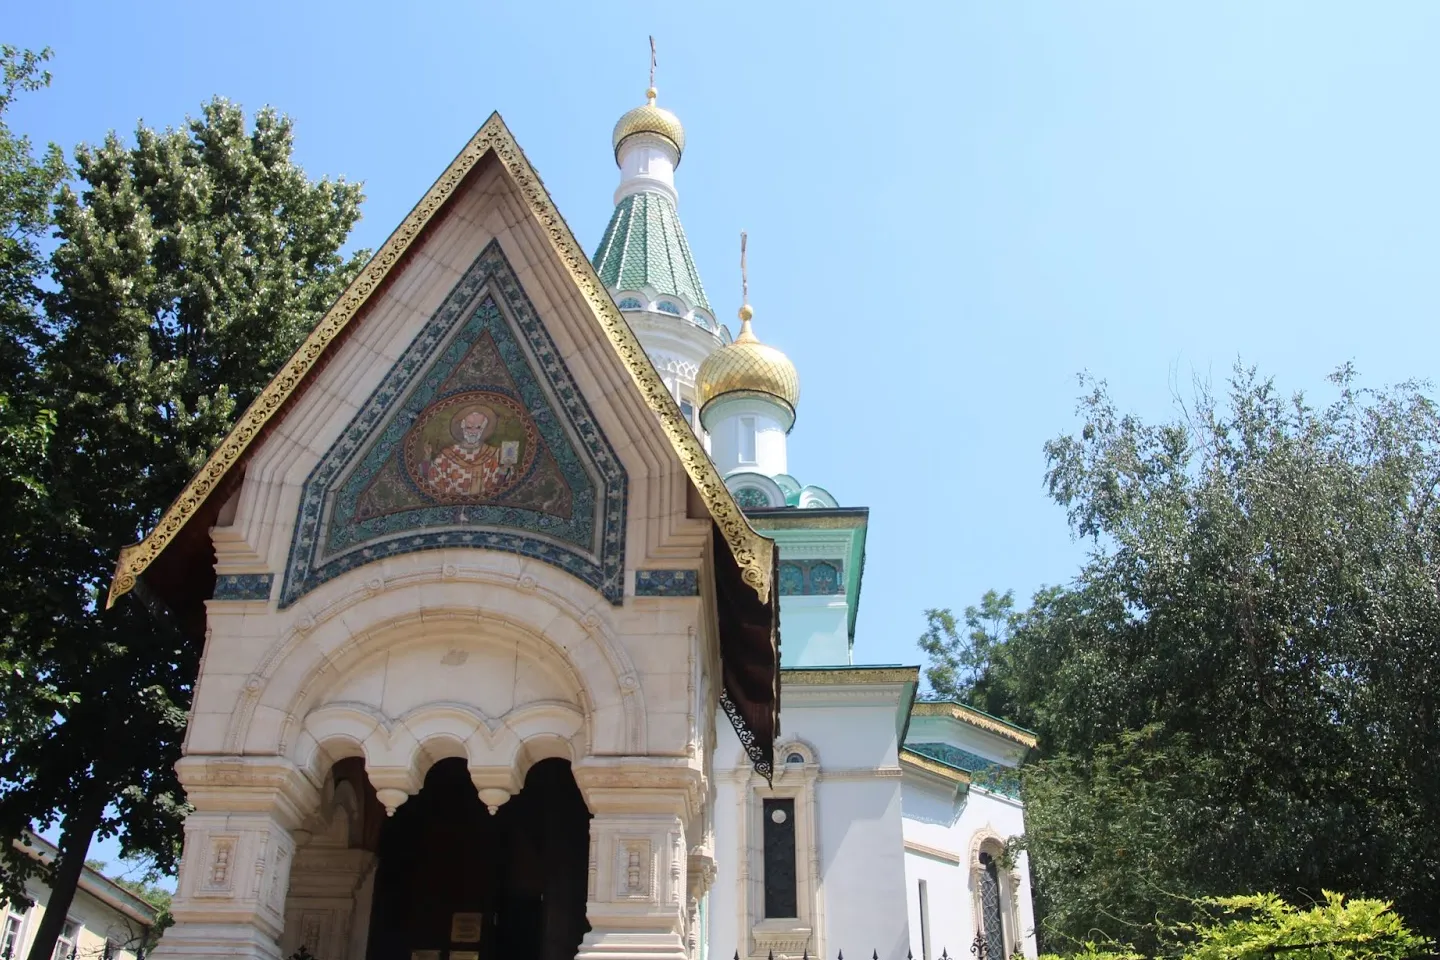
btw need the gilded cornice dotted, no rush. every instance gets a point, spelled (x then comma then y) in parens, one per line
(848, 676)
(934, 767)
(752, 551)
(976, 718)
(813, 518)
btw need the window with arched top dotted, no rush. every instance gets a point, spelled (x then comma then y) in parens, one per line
(992, 919)
(630, 303)
(780, 903)
(993, 884)
(665, 306)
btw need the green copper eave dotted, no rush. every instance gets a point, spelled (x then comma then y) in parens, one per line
(645, 246)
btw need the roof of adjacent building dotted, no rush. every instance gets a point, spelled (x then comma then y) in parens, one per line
(95, 883)
(995, 777)
(965, 713)
(645, 247)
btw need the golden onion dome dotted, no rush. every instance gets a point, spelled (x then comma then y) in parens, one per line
(748, 366)
(649, 119)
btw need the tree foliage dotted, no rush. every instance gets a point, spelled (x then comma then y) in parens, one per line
(1241, 688)
(189, 265)
(1265, 926)
(26, 423)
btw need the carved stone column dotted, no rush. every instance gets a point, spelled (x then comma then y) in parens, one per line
(638, 898)
(235, 870)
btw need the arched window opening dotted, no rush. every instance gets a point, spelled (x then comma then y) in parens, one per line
(992, 924)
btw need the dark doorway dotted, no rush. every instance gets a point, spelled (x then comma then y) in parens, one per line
(455, 882)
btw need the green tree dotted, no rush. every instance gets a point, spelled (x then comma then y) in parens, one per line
(960, 662)
(142, 938)
(190, 264)
(1240, 690)
(26, 185)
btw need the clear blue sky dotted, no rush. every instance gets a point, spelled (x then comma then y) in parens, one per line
(953, 207)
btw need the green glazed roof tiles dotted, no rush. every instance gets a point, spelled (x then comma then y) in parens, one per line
(645, 246)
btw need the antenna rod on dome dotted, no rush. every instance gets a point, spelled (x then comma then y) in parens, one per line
(652, 67)
(744, 277)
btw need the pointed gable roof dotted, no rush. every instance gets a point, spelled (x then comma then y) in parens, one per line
(181, 534)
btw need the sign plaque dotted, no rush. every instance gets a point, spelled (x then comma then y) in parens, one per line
(464, 928)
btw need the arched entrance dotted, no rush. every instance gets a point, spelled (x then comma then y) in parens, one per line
(456, 882)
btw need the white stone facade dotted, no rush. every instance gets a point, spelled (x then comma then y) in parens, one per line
(482, 655)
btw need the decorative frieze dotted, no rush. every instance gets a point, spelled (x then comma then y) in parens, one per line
(667, 583)
(812, 578)
(244, 586)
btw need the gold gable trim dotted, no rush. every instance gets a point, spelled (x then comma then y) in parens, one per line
(933, 767)
(844, 676)
(964, 714)
(752, 551)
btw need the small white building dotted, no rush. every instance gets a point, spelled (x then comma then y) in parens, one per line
(105, 920)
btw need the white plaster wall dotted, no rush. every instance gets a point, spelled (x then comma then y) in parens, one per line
(647, 163)
(725, 419)
(864, 866)
(859, 829)
(815, 631)
(934, 820)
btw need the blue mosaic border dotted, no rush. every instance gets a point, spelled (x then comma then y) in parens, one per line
(667, 583)
(995, 777)
(243, 586)
(470, 307)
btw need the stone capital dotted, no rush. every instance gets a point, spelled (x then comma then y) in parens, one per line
(642, 785)
(267, 785)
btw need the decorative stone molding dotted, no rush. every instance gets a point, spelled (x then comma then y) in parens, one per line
(346, 629)
(934, 853)
(634, 869)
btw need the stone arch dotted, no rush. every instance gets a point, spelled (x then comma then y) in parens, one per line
(367, 611)
(399, 752)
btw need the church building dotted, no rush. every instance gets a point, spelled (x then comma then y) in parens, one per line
(492, 580)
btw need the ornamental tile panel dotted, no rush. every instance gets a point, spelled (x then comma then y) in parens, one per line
(243, 586)
(995, 777)
(667, 583)
(476, 437)
(811, 578)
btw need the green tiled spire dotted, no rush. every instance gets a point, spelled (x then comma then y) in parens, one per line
(645, 246)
